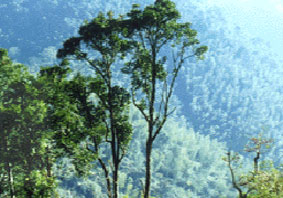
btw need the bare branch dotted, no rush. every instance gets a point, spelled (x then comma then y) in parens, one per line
(234, 183)
(138, 106)
(106, 172)
(143, 190)
(142, 39)
(122, 156)
(163, 96)
(97, 69)
(107, 131)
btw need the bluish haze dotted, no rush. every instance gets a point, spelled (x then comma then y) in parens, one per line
(234, 94)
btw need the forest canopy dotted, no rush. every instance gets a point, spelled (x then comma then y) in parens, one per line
(117, 131)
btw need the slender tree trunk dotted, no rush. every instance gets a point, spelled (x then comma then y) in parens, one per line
(1, 186)
(106, 177)
(11, 180)
(115, 180)
(150, 139)
(256, 162)
(48, 164)
(8, 167)
(114, 139)
(28, 188)
(235, 185)
(148, 168)
(28, 185)
(114, 158)
(49, 173)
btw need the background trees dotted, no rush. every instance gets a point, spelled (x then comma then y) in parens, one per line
(221, 93)
(226, 96)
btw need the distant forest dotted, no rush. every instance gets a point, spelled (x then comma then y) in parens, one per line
(145, 102)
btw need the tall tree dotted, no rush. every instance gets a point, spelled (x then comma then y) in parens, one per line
(161, 43)
(100, 46)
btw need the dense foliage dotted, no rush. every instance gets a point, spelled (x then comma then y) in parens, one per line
(25, 156)
(65, 134)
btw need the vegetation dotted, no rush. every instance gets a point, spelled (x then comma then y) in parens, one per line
(109, 122)
(25, 155)
(267, 182)
(144, 39)
(58, 115)
(152, 30)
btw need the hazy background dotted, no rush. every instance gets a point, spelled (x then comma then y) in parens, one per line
(234, 94)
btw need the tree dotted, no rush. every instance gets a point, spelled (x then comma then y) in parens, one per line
(5, 154)
(153, 32)
(259, 183)
(22, 133)
(62, 118)
(109, 117)
(143, 39)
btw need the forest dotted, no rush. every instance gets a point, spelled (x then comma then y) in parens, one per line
(106, 118)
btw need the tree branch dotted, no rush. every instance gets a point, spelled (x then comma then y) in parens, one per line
(138, 106)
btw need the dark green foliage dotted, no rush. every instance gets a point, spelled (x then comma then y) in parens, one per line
(63, 116)
(24, 155)
(100, 45)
